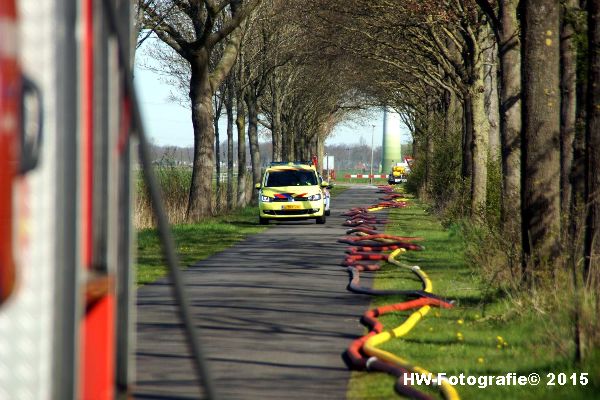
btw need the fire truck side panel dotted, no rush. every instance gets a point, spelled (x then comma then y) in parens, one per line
(67, 328)
(36, 325)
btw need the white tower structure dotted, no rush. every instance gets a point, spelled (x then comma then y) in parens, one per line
(392, 152)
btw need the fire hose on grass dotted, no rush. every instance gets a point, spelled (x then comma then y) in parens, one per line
(362, 362)
(371, 345)
(354, 286)
(364, 353)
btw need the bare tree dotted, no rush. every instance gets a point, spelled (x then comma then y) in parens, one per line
(240, 123)
(190, 29)
(229, 100)
(429, 44)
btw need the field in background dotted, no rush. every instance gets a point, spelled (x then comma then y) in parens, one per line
(341, 180)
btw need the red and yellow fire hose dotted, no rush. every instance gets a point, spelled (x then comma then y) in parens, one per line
(365, 353)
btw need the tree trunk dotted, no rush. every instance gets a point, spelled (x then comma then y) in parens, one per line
(287, 141)
(311, 146)
(240, 122)
(467, 138)
(229, 97)
(217, 161)
(510, 114)
(452, 119)
(276, 123)
(577, 176)
(568, 106)
(429, 169)
(253, 136)
(592, 192)
(321, 153)
(480, 147)
(577, 201)
(492, 108)
(216, 118)
(479, 125)
(299, 146)
(201, 193)
(541, 135)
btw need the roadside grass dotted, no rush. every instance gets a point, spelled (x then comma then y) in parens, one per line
(485, 320)
(337, 189)
(195, 242)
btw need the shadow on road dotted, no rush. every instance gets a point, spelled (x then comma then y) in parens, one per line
(274, 314)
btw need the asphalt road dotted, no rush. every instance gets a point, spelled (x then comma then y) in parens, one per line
(274, 314)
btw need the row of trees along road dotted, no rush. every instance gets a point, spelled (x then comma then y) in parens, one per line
(252, 59)
(501, 98)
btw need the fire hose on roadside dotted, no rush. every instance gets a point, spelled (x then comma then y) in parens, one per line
(354, 286)
(362, 362)
(368, 245)
(370, 346)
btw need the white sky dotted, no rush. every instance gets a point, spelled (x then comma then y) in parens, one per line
(169, 123)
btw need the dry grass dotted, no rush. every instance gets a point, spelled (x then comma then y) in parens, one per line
(175, 183)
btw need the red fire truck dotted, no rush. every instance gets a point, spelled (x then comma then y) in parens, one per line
(65, 168)
(69, 129)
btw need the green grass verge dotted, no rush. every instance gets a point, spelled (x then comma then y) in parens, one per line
(337, 189)
(479, 316)
(195, 242)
